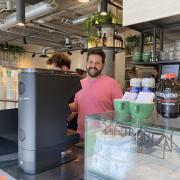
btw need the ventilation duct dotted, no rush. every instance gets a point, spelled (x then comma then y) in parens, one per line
(31, 12)
(80, 20)
(9, 5)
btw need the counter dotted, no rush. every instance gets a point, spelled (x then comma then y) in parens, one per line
(71, 170)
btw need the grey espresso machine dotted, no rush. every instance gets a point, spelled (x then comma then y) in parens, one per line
(43, 108)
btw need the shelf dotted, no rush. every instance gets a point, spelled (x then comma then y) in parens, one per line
(157, 63)
(109, 25)
(169, 62)
(129, 56)
(117, 49)
(165, 23)
(8, 100)
(10, 67)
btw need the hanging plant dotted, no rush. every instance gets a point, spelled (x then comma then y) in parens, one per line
(12, 49)
(97, 18)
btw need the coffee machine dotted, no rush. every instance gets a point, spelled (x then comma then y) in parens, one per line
(43, 108)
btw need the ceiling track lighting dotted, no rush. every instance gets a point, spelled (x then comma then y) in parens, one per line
(43, 56)
(20, 12)
(24, 40)
(33, 55)
(83, 51)
(6, 45)
(83, 1)
(69, 53)
(103, 7)
(44, 52)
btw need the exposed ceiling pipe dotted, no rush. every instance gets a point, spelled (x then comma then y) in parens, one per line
(31, 12)
(80, 20)
(9, 5)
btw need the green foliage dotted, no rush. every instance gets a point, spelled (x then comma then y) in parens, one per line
(12, 49)
(97, 19)
(132, 42)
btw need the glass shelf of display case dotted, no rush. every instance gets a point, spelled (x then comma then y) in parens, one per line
(119, 147)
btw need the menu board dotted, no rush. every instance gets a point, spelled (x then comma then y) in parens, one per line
(170, 68)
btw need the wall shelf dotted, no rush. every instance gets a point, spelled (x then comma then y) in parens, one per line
(116, 49)
(109, 25)
(157, 63)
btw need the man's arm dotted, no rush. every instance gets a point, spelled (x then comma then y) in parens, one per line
(73, 107)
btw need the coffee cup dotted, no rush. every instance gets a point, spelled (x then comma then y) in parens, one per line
(141, 111)
(121, 106)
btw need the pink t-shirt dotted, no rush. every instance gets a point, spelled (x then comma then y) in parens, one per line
(96, 96)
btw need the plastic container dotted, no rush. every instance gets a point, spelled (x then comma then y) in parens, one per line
(169, 106)
(148, 85)
(135, 85)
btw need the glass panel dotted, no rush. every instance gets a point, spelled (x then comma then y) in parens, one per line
(122, 147)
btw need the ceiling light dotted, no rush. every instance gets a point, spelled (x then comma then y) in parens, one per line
(20, 12)
(20, 24)
(6, 45)
(24, 40)
(103, 7)
(33, 55)
(83, 1)
(83, 50)
(40, 21)
(69, 53)
(43, 56)
(44, 52)
(68, 43)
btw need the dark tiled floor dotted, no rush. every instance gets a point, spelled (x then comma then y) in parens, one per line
(73, 170)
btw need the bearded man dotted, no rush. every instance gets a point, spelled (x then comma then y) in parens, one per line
(98, 90)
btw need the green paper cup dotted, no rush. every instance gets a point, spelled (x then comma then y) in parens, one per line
(121, 106)
(141, 111)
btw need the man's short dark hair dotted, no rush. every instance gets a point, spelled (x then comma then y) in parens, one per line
(59, 60)
(98, 52)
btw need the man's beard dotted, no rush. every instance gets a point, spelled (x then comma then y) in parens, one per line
(96, 74)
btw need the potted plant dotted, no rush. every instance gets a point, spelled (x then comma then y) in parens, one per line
(132, 43)
(97, 18)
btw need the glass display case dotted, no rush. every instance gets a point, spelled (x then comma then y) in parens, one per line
(121, 147)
